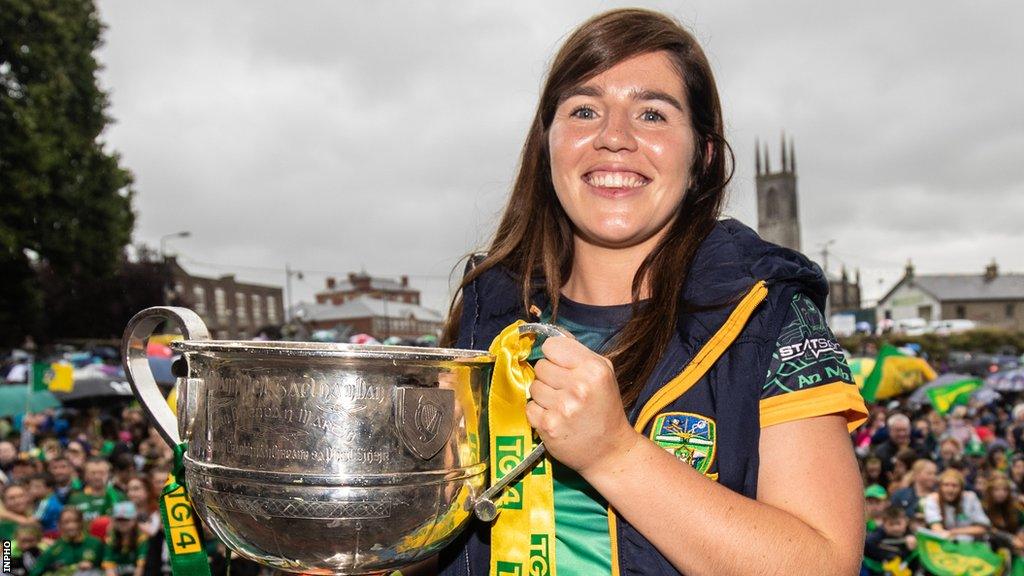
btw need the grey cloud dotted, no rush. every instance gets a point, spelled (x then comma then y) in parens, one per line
(386, 135)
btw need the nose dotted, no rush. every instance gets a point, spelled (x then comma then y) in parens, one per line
(616, 133)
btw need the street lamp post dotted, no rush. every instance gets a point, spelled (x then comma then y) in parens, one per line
(165, 237)
(163, 258)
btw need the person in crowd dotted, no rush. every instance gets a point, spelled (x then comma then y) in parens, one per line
(900, 477)
(1006, 517)
(64, 481)
(27, 547)
(954, 512)
(1015, 429)
(923, 431)
(123, 469)
(1017, 473)
(8, 456)
(140, 492)
(97, 497)
(22, 469)
(888, 547)
(872, 473)
(862, 436)
(950, 454)
(125, 549)
(74, 549)
(960, 427)
(16, 511)
(900, 438)
(923, 475)
(77, 453)
(937, 424)
(875, 501)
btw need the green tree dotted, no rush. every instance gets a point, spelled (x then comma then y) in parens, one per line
(66, 201)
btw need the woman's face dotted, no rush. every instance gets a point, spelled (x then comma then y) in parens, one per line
(1000, 492)
(70, 527)
(949, 489)
(137, 493)
(621, 146)
(1017, 469)
(926, 477)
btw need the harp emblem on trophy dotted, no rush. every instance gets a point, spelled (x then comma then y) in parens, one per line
(425, 418)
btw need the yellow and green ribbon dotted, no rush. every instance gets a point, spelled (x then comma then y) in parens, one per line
(523, 535)
(188, 558)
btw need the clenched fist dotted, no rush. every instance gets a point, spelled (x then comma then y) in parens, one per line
(576, 408)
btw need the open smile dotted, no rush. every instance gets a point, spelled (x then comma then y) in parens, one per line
(612, 180)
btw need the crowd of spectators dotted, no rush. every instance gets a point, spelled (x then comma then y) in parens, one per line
(80, 494)
(960, 476)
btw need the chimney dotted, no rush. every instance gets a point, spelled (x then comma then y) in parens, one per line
(331, 283)
(991, 271)
(405, 281)
(909, 272)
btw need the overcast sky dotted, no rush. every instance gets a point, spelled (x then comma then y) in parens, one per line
(337, 136)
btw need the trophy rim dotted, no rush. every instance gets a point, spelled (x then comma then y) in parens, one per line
(333, 350)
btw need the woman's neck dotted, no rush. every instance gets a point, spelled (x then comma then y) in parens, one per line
(603, 276)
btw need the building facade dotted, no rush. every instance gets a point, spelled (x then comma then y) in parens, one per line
(377, 317)
(232, 310)
(990, 299)
(362, 284)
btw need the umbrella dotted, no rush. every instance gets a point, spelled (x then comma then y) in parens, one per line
(12, 400)
(986, 395)
(162, 372)
(919, 397)
(1007, 380)
(93, 382)
(158, 350)
(427, 340)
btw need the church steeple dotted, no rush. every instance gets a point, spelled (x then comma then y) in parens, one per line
(778, 214)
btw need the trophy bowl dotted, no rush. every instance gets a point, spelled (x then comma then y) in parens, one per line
(322, 458)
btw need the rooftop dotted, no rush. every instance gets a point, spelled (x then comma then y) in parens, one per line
(365, 307)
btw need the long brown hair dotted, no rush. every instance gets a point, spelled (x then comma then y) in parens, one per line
(1003, 515)
(534, 240)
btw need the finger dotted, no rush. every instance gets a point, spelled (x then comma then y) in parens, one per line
(543, 394)
(552, 374)
(565, 352)
(535, 415)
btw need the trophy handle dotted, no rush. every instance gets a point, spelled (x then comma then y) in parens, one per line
(484, 507)
(136, 362)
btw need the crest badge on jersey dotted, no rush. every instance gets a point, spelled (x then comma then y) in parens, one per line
(690, 437)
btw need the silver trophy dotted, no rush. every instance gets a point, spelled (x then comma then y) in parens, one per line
(326, 458)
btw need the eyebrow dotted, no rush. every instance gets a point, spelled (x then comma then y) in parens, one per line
(636, 95)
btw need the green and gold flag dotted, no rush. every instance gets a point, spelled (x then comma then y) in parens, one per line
(40, 370)
(949, 558)
(956, 393)
(895, 373)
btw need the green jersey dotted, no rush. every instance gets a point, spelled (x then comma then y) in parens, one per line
(123, 559)
(94, 505)
(65, 556)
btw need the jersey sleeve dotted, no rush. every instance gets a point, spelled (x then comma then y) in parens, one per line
(808, 375)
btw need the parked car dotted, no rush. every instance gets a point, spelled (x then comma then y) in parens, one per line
(953, 326)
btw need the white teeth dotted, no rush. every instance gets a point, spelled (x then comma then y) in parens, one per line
(616, 180)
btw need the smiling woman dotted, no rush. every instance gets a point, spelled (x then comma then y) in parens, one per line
(680, 439)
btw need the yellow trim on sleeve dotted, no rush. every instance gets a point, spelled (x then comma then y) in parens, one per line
(835, 398)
